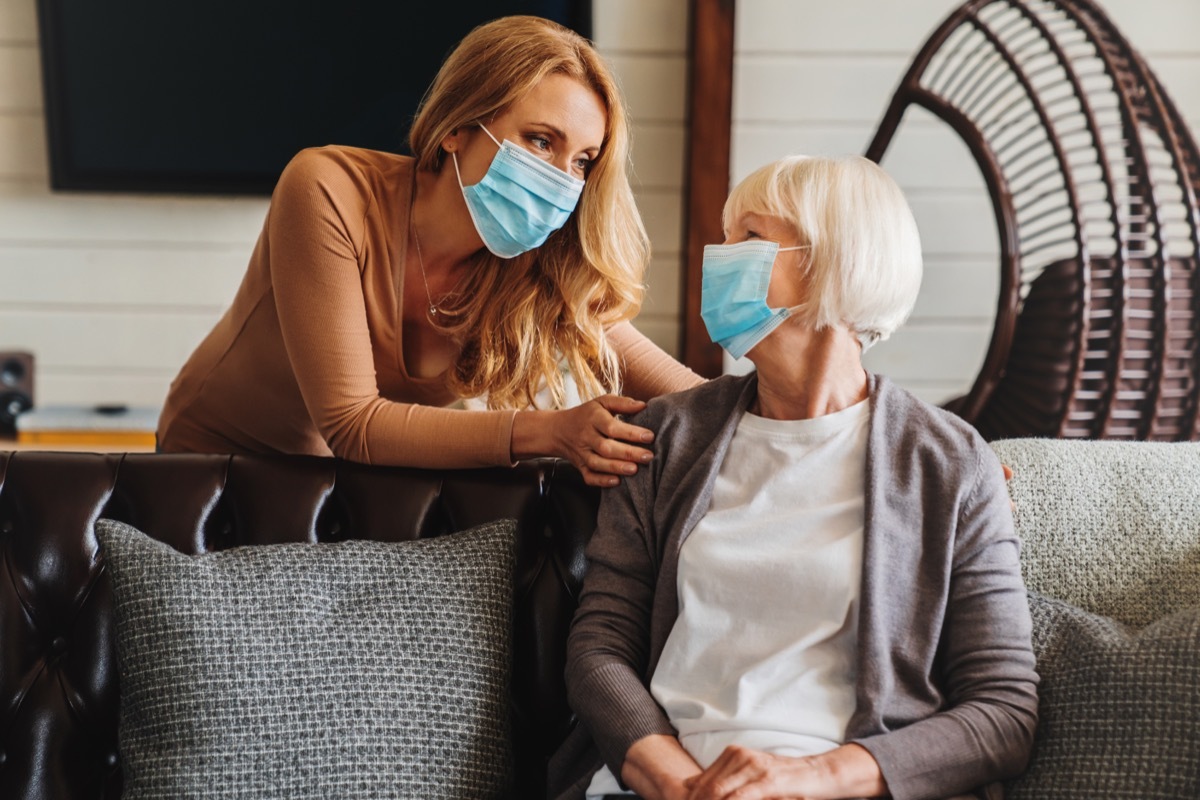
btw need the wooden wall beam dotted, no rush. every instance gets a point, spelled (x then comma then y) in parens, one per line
(706, 179)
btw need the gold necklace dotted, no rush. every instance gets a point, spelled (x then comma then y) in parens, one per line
(433, 309)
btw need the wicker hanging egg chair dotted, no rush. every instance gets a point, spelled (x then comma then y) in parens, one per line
(1094, 178)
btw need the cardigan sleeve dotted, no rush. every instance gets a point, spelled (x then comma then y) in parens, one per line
(314, 231)
(608, 647)
(985, 732)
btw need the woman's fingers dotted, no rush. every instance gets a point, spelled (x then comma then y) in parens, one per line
(610, 448)
(600, 444)
(604, 447)
(604, 457)
(611, 425)
(722, 776)
(742, 773)
(1008, 476)
(602, 480)
(618, 404)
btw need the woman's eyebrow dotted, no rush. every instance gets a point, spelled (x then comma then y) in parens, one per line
(552, 128)
(557, 131)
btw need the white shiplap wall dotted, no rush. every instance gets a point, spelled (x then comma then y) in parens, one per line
(815, 77)
(645, 41)
(109, 292)
(112, 292)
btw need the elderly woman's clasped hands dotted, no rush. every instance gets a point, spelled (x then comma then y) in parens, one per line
(741, 773)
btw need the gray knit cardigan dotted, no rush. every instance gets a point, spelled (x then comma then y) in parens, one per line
(946, 688)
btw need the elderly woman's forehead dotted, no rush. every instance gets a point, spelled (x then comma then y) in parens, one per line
(761, 220)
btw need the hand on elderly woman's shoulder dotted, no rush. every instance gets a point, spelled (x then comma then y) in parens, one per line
(592, 436)
(741, 773)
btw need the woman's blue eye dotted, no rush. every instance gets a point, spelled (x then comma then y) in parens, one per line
(540, 142)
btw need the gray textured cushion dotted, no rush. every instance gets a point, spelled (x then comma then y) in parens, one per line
(350, 670)
(1112, 527)
(1119, 708)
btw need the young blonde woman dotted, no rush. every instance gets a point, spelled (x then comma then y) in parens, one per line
(385, 288)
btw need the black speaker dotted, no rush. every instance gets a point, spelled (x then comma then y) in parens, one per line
(16, 388)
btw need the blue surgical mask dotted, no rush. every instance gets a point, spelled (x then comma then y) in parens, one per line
(520, 201)
(733, 295)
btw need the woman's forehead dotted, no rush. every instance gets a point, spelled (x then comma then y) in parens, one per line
(566, 104)
(760, 221)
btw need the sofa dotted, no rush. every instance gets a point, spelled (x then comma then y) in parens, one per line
(1111, 552)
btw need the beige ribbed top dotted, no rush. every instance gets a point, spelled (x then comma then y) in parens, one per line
(309, 360)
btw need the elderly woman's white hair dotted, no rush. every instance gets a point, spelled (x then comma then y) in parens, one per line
(864, 265)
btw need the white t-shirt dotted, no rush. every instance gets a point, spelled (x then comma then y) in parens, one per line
(762, 653)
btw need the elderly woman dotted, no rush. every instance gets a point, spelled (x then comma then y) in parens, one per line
(813, 591)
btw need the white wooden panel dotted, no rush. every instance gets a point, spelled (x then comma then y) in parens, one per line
(945, 353)
(958, 290)
(650, 26)
(659, 153)
(1181, 76)
(756, 143)
(100, 387)
(924, 154)
(1157, 26)
(20, 81)
(655, 87)
(662, 213)
(129, 278)
(23, 146)
(847, 26)
(31, 213)
(118, 340)
(858, 26)
(663, 286)
(954, 223)
(18, 21)
(803, 86)
(811, 88)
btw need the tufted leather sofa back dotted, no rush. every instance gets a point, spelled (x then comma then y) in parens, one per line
(58, 680)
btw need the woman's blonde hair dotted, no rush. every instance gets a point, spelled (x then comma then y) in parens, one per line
(864, 265)
(516, 320)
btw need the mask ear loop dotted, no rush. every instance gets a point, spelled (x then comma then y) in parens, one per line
(790, 310)
(466, 201)
(457, 174)
(489, 133)
(454, 155)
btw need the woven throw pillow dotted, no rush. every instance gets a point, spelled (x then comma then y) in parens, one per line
(350, 670)
(1112, 527)
(1119, 708)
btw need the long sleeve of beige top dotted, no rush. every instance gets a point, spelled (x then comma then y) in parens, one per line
(309, 359)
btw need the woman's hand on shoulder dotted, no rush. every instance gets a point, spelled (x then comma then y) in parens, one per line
(741, 773)
(592, 436)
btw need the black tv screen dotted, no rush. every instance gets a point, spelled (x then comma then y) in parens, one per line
(217, 96)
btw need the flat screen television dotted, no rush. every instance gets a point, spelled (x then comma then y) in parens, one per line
(216, 96)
